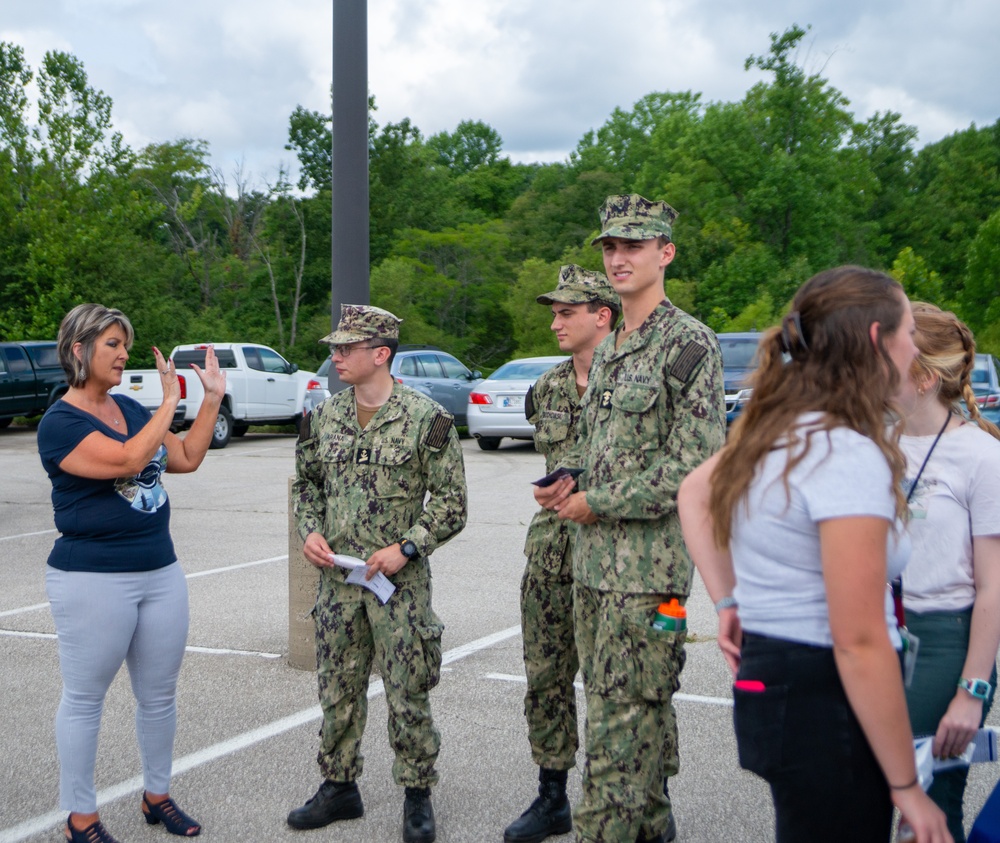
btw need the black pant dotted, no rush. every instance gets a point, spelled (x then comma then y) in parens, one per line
(801, 736)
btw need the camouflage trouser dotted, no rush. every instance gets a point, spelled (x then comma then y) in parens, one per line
(630, 673)
(550, 663)
(404, 640)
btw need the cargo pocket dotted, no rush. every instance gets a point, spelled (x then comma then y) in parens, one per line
(641, 663)
(657, 659)
(426, 672)
(759, 721)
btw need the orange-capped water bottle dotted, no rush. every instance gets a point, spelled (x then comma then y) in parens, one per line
(671, 617)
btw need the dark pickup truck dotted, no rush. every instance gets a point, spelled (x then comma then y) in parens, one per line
(30, 379)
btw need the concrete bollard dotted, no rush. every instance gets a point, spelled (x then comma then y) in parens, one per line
(303, 583)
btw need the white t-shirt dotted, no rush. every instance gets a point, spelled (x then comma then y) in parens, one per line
(775, 540)
(957, 497)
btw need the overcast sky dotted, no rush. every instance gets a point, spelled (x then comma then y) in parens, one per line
(541, 72)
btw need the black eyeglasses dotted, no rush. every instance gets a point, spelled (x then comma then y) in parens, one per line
(345, 350)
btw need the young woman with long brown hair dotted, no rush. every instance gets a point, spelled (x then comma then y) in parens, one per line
(796, 527)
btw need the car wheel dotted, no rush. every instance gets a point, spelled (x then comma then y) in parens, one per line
(488, 443)
(223, 428)
(240, 429)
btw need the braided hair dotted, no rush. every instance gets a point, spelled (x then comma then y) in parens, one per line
(948, 350)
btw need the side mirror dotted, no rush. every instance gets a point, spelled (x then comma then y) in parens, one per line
(293, 368)
(475, 375)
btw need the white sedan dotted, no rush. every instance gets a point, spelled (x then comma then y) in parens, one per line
(496, 406)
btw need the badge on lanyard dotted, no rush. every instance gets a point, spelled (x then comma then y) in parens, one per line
(606, 399)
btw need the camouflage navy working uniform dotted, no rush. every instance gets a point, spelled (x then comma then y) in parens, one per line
(550, 661)
(653, 411)
(363, 489)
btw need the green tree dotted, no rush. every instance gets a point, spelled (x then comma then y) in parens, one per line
(468, 304)
(954, 188)
(473, 144)
(981, 293)
(920, 282)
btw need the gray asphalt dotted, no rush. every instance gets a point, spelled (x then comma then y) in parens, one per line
(247, 736)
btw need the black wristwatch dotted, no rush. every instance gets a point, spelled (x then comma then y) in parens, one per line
(408, 548)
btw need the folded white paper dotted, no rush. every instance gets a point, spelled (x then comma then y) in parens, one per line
(379, 585)
(983, 747)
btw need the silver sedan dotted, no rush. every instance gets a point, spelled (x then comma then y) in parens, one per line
(496, 406)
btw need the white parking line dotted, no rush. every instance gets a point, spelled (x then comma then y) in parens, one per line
(236, 567)
(695, 698)
(37, 606)
(211, 651)
(26, 535)
(45, 822)
(24, 610)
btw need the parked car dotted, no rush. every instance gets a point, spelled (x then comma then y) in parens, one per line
(986, 385)
(436, 373)
(262, 388)
(496, 406)
(31, 378)
(739, 353)
(317, 390)
(424, 368)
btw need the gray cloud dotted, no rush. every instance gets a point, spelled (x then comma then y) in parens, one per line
(542, 74)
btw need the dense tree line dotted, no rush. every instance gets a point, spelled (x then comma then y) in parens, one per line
(771, 189)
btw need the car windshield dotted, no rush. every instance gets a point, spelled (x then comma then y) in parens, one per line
(980, 373)
(522, 370)
(738, 353)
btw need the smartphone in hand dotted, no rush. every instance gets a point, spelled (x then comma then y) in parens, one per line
(558, 474)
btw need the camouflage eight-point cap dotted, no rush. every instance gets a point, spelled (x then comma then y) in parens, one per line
(579, 286)
(632, 217)
(360, 322)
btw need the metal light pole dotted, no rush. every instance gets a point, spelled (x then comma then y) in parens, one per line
(349, 279)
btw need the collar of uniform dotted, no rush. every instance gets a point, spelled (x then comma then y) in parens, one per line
(391, 410)
(640, 336)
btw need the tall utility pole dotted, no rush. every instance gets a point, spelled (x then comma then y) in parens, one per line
(349, 280)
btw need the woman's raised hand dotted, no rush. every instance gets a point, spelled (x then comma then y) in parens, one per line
(212, 377)
(168, 376)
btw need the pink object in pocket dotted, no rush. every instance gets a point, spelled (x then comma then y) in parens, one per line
(754, 686)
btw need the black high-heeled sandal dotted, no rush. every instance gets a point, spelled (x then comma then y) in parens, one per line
(93, 833)
(173, 818)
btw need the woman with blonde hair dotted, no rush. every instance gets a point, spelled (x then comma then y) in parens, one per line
(795, 527)
(951, 588)
(117, 592)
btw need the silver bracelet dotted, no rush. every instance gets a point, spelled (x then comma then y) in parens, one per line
(725, 603)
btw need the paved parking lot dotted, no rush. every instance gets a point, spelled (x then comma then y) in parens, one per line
(246, 741)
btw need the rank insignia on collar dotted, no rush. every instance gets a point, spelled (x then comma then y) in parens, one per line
(363, 456)
(606, 399)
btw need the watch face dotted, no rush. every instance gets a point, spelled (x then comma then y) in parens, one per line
(408, 549)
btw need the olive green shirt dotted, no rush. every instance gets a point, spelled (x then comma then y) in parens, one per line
(553, 407)
(654, 410)
(363, 489)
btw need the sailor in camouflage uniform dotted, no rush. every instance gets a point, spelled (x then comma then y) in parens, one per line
(365, 460)
(584, 311)
(654, 410)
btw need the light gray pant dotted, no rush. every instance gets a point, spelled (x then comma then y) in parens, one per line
(103, 620)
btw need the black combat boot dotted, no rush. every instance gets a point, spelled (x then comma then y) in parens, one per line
(548, 814)
(333, 801)
(418, 816)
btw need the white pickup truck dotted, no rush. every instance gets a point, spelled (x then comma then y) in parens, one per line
(261, 388)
